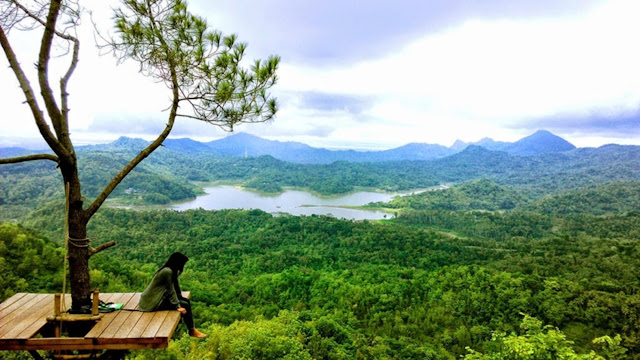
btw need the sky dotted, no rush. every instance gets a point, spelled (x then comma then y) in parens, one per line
(379, 74)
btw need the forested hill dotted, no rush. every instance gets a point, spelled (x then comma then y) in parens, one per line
(515, 242)
(485, 195)
(432, 285)
(168, 175)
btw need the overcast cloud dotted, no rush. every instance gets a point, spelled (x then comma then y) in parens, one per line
(380, 74)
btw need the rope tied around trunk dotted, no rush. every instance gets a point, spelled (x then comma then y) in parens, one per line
(80, 243)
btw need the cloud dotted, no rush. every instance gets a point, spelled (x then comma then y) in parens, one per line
(126, 124)
(337, 31)
(312, 130)
(149, 126)
(603, 123)
(326, 102)
(390, 72)
(484, 78)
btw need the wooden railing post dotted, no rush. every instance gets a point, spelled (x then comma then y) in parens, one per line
(56, 304)
(95, 309)
(57, 328)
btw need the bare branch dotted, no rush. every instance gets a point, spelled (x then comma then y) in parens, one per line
(30, 158)
(37, 18)
(132, 164)
(64, 138)
(11, 16)
(136, 160)
(101, 247)
(38, 116)
(63, 134)
(43, 67)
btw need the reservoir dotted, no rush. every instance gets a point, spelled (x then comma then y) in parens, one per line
(293, 202)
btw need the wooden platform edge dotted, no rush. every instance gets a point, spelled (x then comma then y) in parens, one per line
(82, 344)
(158, 341)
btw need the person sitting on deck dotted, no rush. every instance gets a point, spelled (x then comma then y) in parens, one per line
(163, 292)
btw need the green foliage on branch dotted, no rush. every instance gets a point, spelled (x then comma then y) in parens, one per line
(175, 46)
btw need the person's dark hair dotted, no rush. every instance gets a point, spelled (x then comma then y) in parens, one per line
(176, 263)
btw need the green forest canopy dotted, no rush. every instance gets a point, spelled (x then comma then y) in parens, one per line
(465, 271)
(432, 284)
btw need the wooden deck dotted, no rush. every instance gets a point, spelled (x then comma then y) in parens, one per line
(24, 316)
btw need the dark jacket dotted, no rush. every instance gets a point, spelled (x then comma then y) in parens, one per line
(164, 289)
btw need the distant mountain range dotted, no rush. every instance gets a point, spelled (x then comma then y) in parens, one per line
(540, 142)
(243, 144)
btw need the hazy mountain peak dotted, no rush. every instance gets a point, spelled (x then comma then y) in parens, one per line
(247, 145)
(127, 142)
(243, 136)
(542, 141)
(458, 145)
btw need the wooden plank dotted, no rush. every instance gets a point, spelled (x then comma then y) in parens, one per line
(101, 325)
(15, 305)
(105, 297)
(147, 343)
(133, 303)
(114, 326)
(141, 325)
(25, 314)
(12, 299)
(135, 300)
(44, 344)
(111, 297)
(169, 325)
(124, 298)
(36, 321)
(128, 325)
(18, 320)
(154, 324)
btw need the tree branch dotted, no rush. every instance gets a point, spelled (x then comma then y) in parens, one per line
(30, 158)
(101, 247)
(38, 116)
(43, 67)
(154, 145)
(63, 136)
(133, 163)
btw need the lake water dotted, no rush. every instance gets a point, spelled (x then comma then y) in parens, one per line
(293, 202)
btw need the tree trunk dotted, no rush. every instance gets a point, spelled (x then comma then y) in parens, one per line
(79, 246)
(79, 264)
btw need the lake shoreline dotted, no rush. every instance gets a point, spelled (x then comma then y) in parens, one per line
(218, 195)
(291, 201)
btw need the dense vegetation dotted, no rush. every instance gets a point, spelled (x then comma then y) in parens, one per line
(26, 184)
(168, 175)
(28, 261)
(435, 283)
(479, 194)
(527, 257)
